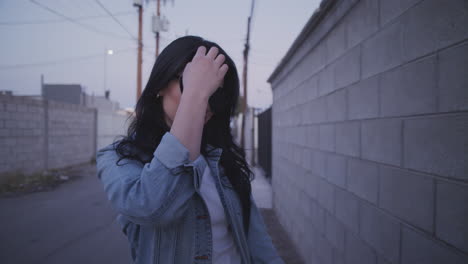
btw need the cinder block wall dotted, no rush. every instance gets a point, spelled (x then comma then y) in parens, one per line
(370, 134)
(40, 134)
(72, 134)
(111, 126)
(22, 134)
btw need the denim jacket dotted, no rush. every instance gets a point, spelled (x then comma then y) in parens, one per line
(160, 209)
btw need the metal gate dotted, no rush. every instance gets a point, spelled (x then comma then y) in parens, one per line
(264, 141)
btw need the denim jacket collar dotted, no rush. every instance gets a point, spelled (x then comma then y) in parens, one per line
(214, 152)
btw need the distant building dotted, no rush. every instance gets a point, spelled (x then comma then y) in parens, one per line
(75, 94)
(6, 92)
(102, 103)
(66, 93)
(111, 119)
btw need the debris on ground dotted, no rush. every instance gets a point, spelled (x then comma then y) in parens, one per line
(18, 183)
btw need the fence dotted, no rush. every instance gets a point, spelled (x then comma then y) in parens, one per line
(264, 141)
(40, 134)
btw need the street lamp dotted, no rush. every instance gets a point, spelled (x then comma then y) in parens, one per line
(108, 52)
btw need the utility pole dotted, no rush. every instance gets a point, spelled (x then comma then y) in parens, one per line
(253, 137)
(246, 55)
(139, 5)
(157, 33)
(105, 69)
(106, 53)
(159, 23)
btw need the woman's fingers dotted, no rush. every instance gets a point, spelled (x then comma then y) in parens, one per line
(206, 70)
(212, 53)
(223, 70)
(201, 51)
(219, 60)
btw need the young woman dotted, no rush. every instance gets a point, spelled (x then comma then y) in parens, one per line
(178, 181)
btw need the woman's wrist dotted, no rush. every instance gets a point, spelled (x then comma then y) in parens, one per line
(189, 121)
(197, 96)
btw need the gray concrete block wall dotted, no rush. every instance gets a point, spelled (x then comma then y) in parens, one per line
(370, 135)
(38, 134)
(71, 134)
(110, 125)
(22, 135)
(452, 76)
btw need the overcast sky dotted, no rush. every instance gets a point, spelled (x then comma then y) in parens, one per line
(37, 41)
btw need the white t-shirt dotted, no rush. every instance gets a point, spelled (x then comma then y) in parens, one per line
(224, 248)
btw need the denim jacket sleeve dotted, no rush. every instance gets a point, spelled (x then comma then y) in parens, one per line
(156, 192)
(259, 241)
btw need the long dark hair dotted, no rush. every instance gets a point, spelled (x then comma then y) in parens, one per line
(148, 126)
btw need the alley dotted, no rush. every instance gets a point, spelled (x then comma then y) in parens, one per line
(74, 223)
(71, 224)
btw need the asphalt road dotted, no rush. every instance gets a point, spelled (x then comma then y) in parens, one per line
(74, 223)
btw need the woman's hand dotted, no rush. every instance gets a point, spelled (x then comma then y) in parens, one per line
(205, 73)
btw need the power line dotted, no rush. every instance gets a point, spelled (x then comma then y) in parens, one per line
(49, 21)
(65, 60)
(72, 20)
(115, 19)
(77, 5)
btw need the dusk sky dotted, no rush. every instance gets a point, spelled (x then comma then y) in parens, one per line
(36, 41)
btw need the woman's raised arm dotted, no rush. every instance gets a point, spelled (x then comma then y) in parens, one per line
(156, 193)
(202, 77)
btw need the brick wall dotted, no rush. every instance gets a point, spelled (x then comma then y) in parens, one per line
(370, 133)
(40, 134)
